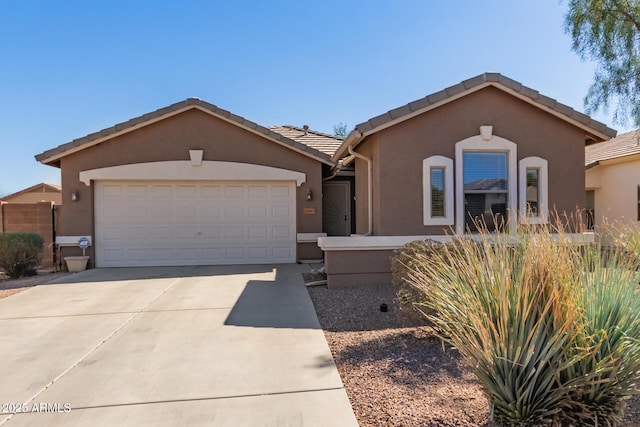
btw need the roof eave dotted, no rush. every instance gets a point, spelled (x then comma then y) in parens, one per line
(438, 99)
(50, 157)
(592, 165)
(54, 187)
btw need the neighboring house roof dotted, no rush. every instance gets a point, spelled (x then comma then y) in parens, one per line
(43, 187)
(437, 99)
(51, 157)
(323, 142)
(627, 144)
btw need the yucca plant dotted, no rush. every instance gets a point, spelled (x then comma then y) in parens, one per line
(549, 328)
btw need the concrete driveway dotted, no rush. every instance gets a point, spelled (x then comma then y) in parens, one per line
(179, 346)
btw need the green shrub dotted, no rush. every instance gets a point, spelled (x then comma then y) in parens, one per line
(20, 253)
(549, 328)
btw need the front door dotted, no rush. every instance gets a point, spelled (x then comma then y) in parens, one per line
(336, 208)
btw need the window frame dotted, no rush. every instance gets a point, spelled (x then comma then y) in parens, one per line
(443, 163)
(542, 165)
(487, 142)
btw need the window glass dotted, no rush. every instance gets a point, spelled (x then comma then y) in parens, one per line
(485, 171)
(533, 192)
(437, 192)
(485, 178)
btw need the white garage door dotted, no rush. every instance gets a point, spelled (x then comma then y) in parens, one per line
(194, 223)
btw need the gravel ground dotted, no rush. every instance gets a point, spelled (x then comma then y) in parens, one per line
(395, 371)
(10, 287)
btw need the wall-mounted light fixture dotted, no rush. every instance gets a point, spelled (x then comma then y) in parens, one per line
(75, 196)
(309, 195)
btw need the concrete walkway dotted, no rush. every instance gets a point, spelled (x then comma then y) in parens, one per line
(180, 346)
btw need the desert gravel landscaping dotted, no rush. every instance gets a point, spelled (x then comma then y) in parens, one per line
(10, 287)
(396, 372)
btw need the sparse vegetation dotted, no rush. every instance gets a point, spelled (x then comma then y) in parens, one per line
(20, 253)
(549, 328)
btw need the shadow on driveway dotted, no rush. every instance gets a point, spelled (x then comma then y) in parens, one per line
(282, 303)
(117, 274)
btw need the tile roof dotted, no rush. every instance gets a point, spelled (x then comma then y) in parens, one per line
(626, 144)
(468, 86)
(323, 142)
(51, 156)
(41, 187)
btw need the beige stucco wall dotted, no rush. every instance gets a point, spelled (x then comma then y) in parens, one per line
(171, 139)
(398, 152)
(35, 197)
(615, 191)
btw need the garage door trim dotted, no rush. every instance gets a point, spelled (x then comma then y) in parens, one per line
(183, 170)
(153, 223)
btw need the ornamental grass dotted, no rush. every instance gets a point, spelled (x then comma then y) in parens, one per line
(549, 327)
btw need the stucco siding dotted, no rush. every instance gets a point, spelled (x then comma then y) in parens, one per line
(171, 139)
(616, 196)
(358, 268)
(402, 148)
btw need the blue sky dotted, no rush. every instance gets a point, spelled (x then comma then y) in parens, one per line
(70, 68)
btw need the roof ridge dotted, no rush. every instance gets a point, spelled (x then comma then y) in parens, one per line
(487, 77)
(317, 132)
(448, 94)
(158, 114)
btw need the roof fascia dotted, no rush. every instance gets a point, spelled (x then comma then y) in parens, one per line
(619, 159)
(33, 187)
(52, 158)
(355, 137)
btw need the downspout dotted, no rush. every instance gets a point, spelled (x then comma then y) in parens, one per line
(369, 188)
(333, 174)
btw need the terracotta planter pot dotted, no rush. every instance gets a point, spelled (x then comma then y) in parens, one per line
(76, 263)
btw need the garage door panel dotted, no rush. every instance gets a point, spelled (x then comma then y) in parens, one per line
(235, 254)
(187, 254)
(259, 253)
(161, 191)
(282, 232)
(186, 190)
(210, 212)
(210, 191)
(113, 255)
(256, 232)
(281, 211)
(282, 253)
(161, 233)
(233, 212)
(186, 213)
(138, 255)
(234, 191)
(259, 191)
(200, 223)
(213, 254)
(257, 212)
(231, 232)
(211, 232)
(136, 191)
(160, 254)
